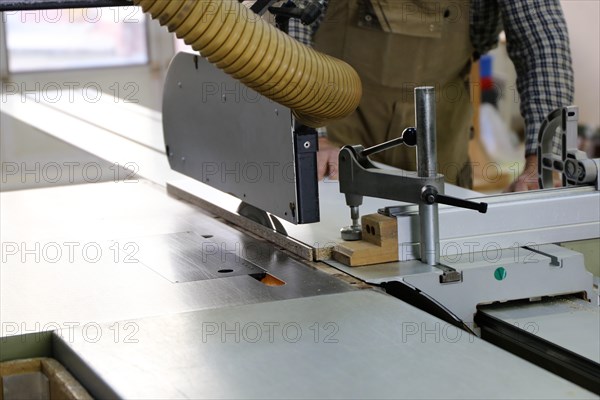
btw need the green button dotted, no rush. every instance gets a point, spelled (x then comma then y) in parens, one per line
(500, 273)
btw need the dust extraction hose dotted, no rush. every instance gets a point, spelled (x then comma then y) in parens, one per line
(317, 87)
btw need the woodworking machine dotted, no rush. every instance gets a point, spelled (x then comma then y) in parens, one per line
(449, 259)
(262, 156)
(453, 256)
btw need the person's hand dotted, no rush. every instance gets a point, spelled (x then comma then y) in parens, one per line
(327, 159)
(528, 180)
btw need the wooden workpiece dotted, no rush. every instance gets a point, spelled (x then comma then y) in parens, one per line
(379, 229)
(379, 243)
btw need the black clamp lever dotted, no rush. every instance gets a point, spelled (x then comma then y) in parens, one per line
(409, 138)
(430, 195)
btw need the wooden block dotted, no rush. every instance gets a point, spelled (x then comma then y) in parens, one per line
(379, 229)
(355, 254)
(17, 367)
(379, 243)
(62, 384)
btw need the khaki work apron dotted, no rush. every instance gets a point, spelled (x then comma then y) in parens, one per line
(395, 46)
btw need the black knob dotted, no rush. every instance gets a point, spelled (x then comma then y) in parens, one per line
(311, 12)
(409, 136)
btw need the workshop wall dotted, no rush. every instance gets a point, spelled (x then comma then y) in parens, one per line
(583, 21)
(28, 156)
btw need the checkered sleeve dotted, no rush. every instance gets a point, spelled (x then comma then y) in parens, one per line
(304, 33)
(486, 25)
(538, 45)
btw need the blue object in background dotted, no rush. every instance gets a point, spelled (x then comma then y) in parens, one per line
(485, 66)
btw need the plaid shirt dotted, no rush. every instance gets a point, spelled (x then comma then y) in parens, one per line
(537, 44)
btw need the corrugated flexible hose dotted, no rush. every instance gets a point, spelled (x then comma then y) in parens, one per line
(318, 88)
